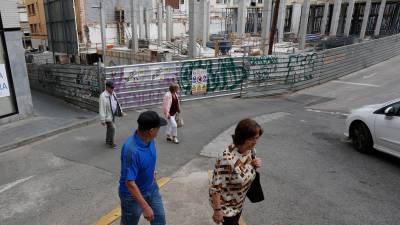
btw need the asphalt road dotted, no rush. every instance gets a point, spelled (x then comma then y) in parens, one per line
(311, 175)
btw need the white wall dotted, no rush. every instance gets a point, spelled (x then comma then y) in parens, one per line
(9, 13)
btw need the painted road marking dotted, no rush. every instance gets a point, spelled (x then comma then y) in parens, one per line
(327, 112)
(369, 76)
(116, 212)
(352, 83)
(5, 187)
(241, 220)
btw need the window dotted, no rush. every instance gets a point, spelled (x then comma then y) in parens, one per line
(260, 1)
(182, 2)
(31, 9)
(396, 107)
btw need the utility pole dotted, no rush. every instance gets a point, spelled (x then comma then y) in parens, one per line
(160, 21)
(134, 40)
(273, 28)
(266, 19)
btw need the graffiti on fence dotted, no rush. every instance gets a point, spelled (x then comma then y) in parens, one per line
(139, 77)
(65, 81)
(144, 85)
(262, 67)
(147, 97)
(89, 77)
(45, 76)
(300, 67)
(225, 74)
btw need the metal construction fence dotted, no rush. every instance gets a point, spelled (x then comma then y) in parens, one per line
(77, 84)
(145, 84)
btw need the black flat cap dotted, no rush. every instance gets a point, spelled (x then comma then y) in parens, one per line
(150, 119)
(110, 84)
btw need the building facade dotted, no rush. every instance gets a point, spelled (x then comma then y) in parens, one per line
(37, 23)
(15, 94)
(23, 21)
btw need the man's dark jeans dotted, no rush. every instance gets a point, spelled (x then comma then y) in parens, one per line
(110, 133)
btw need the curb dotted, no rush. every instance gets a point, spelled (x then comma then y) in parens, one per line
(41, 136)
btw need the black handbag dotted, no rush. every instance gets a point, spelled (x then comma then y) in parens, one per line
(255, 192)
(118, 112)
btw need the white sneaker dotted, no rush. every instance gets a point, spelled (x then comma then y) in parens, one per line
(175, 140)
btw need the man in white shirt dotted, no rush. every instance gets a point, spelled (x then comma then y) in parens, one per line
(109, 108)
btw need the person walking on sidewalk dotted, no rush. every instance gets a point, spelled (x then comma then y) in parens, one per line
(109, 108)
(233, 174)
(171, 106)
(138, 190)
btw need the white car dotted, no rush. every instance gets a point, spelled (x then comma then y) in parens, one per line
(375, 127)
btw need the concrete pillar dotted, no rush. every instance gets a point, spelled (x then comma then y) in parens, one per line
(141, 21)
(324, 18)
(281, 20)
(208, 19)
(192, 37)
(367, 10)
(303, 24)
(159, 22)
(266, 24)
(242, 13)
(296, 14)
(102, 33)
(349, 17)
(255, 19)
(335, 17)
(168, 24)
(380, 17)
(204, 21)
(147, 22)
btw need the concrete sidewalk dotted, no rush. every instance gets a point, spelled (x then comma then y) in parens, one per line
(51, 116)
(183, 206)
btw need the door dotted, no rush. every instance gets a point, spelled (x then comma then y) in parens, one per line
(387, 129)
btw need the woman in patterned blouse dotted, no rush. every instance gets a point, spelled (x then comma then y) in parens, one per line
(234, 172)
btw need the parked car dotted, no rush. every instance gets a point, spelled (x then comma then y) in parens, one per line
(375, 127)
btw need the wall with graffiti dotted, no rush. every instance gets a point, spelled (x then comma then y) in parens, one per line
(142, 85)
(146, 84)
(75, 83)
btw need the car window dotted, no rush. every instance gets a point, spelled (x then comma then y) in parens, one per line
(396, 107)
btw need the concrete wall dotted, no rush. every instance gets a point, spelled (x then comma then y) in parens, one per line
(16, 57)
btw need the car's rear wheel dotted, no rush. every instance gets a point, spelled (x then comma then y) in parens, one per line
(361, 138)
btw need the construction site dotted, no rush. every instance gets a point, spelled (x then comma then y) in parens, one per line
(82, 31)
(209, 48)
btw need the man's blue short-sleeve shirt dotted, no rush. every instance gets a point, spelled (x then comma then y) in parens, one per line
(140, 167)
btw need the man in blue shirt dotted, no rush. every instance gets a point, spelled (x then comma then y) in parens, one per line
(138, 189)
